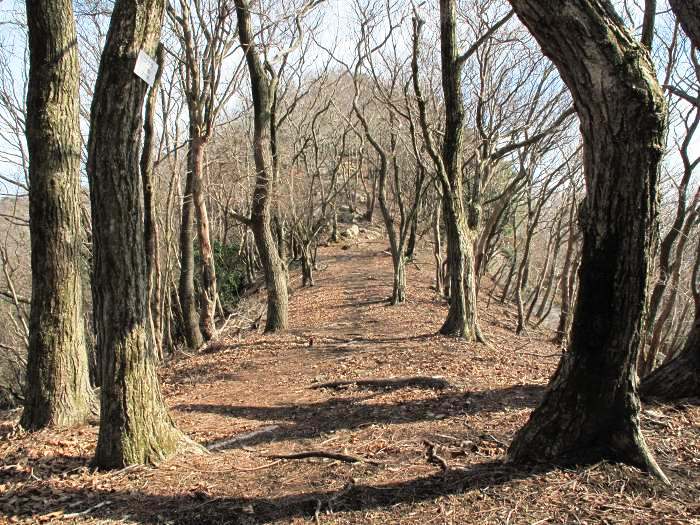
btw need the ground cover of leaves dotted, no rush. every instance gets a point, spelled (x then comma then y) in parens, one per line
(431, 451)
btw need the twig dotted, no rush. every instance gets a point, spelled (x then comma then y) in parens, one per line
(323, 454)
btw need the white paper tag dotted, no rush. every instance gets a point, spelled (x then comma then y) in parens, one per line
(146, 68)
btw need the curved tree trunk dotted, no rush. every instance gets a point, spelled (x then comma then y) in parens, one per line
(58, 384)
(135, 426)
(680, 377)
(591, 408)
(273, 267)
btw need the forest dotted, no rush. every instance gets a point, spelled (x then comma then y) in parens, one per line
(362, 261)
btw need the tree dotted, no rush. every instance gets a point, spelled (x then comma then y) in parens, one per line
(135, 426)
(591, 408)
(58, 386)
(205, 44)
(264, 81)
(460, 221)
(262, 92)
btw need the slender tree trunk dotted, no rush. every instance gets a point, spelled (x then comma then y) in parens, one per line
(307, 266)
(437, 249)
(58, 385)
(275, 275)
(135, 426)
(591, 408)
(398, 292)
(522, 279)
(412, 237)
(549, 280)
(190, 317)
(208, 294)
(150, 227)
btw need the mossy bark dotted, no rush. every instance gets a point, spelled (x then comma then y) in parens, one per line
(58, 389)
(591, 408)
(135, 426)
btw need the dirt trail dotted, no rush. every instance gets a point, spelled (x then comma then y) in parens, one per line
(251, 396)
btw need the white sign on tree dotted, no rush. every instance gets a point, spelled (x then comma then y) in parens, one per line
(146, 68)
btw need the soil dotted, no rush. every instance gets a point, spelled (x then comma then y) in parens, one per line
(409, 450)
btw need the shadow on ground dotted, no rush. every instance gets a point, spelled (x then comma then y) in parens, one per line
(200, 508)
(305, 421)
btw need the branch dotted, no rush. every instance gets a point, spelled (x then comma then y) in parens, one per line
(475, 46)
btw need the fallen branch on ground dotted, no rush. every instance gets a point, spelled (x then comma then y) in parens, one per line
(395, 382)
(346, 458)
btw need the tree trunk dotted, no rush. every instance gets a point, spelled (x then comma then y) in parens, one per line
(549, 281)
(208, 294)
(568, 276)
(398, 292)
(58, 385)
(437, 249)
(461, 317)
(307, 267)
(591, 408)
(190, 317)
(275, 275)
(413, 234)
(135, 426)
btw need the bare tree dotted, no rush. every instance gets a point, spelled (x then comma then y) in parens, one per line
(591, 408)
(206, 34)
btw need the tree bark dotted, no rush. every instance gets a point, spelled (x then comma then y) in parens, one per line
(273, 268)
(135, 426)
(58, 385)
(591, 408)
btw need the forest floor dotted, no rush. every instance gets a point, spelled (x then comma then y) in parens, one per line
(250, 397)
